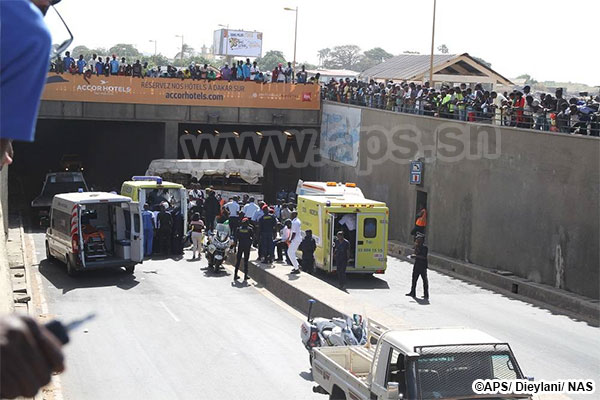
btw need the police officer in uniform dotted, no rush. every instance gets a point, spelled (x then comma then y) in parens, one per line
(243, 240)
(420, 267)
(266, 227)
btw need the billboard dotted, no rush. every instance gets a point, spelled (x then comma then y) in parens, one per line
(228, 42)
(340, 134)
(167, 91)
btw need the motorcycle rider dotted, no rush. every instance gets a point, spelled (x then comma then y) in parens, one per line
(243, 240)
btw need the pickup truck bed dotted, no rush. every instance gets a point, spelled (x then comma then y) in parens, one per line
(350, 365)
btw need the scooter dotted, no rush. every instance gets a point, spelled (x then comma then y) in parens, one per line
(317, 332)
(218, 244)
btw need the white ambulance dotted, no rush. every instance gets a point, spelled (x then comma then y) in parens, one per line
(95, 230)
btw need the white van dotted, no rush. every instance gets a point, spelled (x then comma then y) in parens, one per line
(94, 230)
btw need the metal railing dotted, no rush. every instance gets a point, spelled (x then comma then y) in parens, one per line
(468, 111)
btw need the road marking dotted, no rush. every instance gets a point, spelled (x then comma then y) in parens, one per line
(170, 312)
(52, 391)
(269, 295)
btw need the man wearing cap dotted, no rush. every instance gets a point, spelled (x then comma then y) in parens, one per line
(419, 267)
(243, 240)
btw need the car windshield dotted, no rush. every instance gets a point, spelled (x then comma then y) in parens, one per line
(51, 189)
(450, 373)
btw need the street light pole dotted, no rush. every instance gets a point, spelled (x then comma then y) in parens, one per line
(295, 34)
(432, 41)
(181, 36)
(154, 46)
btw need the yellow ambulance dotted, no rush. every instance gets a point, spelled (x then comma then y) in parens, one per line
(329, 207)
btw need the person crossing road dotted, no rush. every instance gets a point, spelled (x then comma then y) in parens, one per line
(420, 267)
(243, 240)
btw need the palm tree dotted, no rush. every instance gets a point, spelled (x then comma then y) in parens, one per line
(188, 51)
(323, 54)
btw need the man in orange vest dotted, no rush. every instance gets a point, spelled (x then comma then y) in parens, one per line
(420, 222)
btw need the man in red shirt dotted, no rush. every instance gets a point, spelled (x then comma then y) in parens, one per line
(519, 105)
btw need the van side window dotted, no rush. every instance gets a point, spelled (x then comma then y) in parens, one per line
(61, 221)
(370, 228)
(136, 223)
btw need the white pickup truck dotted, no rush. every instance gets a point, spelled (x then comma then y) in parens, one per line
(417, 364)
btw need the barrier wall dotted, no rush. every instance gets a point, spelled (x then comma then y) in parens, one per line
(504, 198)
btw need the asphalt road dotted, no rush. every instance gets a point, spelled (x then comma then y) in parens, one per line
(547, 345)
(174, 331)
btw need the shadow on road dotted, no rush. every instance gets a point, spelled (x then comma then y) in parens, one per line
(355, 281)
(56, 274)
(307, 376)
(209, 273)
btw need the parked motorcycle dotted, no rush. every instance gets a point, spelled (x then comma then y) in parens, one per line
(317, 332)
(218, 244)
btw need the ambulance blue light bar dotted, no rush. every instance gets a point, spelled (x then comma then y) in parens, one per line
(156, 179)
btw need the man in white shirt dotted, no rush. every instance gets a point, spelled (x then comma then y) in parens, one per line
(92, 63)
(250, 209)
(233, 207)
(295, 241)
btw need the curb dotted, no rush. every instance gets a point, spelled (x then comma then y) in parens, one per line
(553, 299)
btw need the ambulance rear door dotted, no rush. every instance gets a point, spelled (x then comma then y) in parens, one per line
(370, 242)
(136, 232)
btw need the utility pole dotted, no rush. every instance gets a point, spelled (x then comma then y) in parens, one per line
(295, 34)
(432, 42)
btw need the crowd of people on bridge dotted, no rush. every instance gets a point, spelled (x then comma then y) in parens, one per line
(519, 108)
(240, 70)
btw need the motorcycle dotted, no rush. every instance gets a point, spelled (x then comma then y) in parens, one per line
(217, 247)
(317, 332)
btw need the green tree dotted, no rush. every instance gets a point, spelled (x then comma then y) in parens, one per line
(378, 54)
(482, 61)
(528, 79)
(155, 61)
(372, 58)
(270, 60)
(83, 50)
(125, 50)
(443, 49)
(344, 57)
(410, 52)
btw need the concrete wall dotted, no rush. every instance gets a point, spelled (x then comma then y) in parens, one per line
(503, 198)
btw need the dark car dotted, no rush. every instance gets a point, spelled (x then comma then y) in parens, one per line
(55, 183)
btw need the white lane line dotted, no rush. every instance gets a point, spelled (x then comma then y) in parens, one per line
(170, 312)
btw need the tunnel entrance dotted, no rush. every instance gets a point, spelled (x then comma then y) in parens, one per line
(109, 153)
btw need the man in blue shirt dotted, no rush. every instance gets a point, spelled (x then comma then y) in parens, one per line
(68, 61)
(24, 46)
(148, 224)
(114, 65)
(246, 70)
(81, 63)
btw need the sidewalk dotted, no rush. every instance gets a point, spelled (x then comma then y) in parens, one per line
(507, 283)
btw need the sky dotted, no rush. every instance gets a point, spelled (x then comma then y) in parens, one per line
(510, 34)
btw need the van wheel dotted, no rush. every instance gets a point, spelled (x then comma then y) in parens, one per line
(129, 270)
(71, 271)
(49, 256)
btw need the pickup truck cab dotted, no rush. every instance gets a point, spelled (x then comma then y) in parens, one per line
(418, 364)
